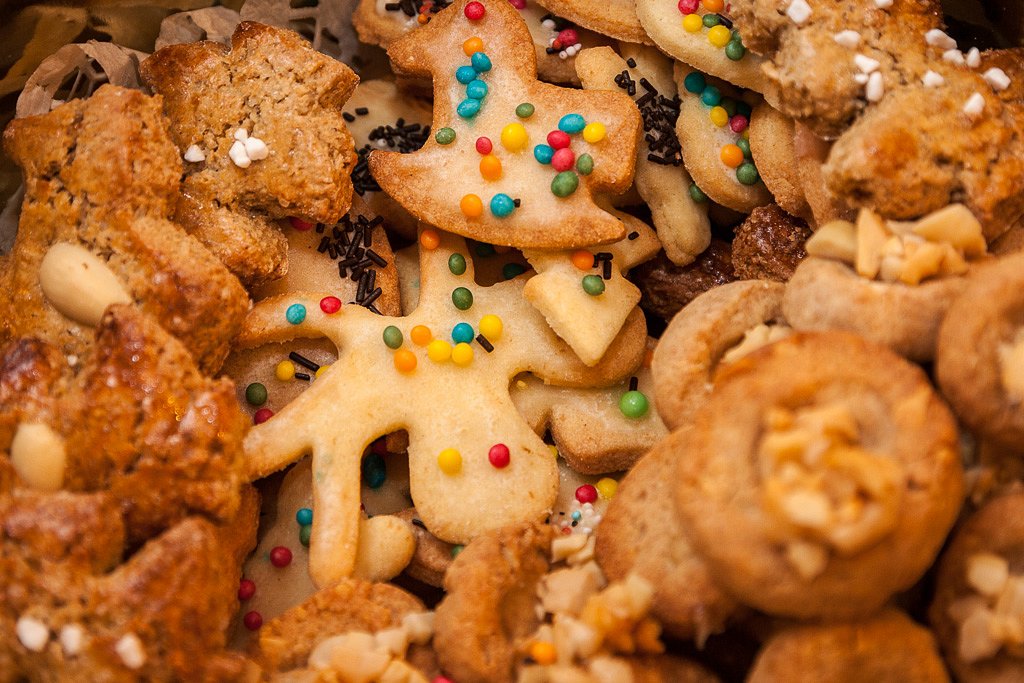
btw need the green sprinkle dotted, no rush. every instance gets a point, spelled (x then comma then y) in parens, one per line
(375, 471)
(256, 394)
(735, 50)
(593, 285)
(462, 298)
(585, 164)
(304, 532)
(512, 270)
(525, 110)
(392, 337)
(696, 194)
(565, 183)
(747, 173)
(445, 136)
(483, 250)
(634, 404)
(457, 264)
(711, 20)
(456, 549)
(744, 146)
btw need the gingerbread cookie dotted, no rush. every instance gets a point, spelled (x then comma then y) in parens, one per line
(713, 129)
(412, 355)
(253, 155)
(860, 476)
(646, 75)
(522, 159)
(701, 33)
(94, 231)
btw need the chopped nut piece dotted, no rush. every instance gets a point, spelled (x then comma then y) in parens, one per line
(871, 238)
(808, 559)
(976, 639)
(754, 338)
(836, 240)
(987, 573)
(566, 590)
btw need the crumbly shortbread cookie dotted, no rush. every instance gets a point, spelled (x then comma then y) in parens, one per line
(976, 611)
(885, 647)
(448, 460)
(661, 179)
(641, 533)
(702, 35)
(819, 458)
(715, 143)
(252, 153)
(614, 18)
(979, 360)
(102, 179)
(772, 144)
(495, 134)
(716, 328)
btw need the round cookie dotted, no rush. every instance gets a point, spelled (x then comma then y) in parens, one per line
(614, 18)
(886, 647)
(774, 150)
(699, 338)
(821, 476)
(811, 153)
(976, 610)
(641, 533)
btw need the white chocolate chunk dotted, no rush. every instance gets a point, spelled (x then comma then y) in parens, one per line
(938, 38)
(932, 79)
(79, 284)
(875, 87)
(847, 38)
(256, 149)
(798, 11)
(238, 155)
(975, 104)
(866, 64)
(996, 78)
(71, 638)
(194, 154)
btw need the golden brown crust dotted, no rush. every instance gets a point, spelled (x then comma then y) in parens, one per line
(666, 288)
(103, 174)
(615, 18)
(773, 148)
(769, 245)
(433, 556)
(272, 84)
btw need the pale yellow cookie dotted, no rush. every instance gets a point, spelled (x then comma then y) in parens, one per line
(614, 18)
(774, 151)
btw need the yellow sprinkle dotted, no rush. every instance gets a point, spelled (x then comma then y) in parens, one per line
(462, 354)
(719, 36)
(521, 384)
(450, 461)
(719, 116)
(746, 134)
(322, 369)
(514, 137)
(554, 451)
(693, 23)
(543, 652)
(491, 327)
(285, 370)
(606, 488)
(439, 350)
(594, 132)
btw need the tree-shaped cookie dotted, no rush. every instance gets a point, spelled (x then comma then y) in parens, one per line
(512, 161)
(442, 373)
(261, 130)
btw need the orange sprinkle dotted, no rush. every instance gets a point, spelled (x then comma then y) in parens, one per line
(429, 239)
(583, 259)
(423, 18)
(472, 206)
(421, 335)
(648, 355)
(472, 45)
(732, 156)
(543, 653)
(405, 360)
(714, 6)
(490, 168)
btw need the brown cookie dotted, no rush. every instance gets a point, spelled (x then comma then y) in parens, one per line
(773, 147)
(666, 287)
(769, 244)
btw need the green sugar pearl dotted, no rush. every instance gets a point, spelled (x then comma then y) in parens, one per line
(747, 174)
(457, 264)
(456, 549)
(565, 183)
(525, 110)
(593, 285)
(462, 298)
(735, 50)
(256, 394)
(511, 270)
(304, 532)
(634, 404)
(585, 164)
(392, 337)
(697, 194)
(445, 136)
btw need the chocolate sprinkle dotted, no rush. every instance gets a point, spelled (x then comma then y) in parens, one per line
(350, 241)
(400, 137)
(297, 357)
(485, 343)
(659, 115)
(348, 117)
(632, 236)
(301, 375)
(633, 383)
(418, 522)
(411, 8)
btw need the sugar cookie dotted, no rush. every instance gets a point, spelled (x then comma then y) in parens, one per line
(614, 18)
(773, 148)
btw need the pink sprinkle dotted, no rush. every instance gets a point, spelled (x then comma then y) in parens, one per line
(558, 139)
(738, 123)
(563, 159)
(586, 494)
(300, 225)
(262, 415)
(484, 145)
(568, 37)
(330, 304)
(475, 11)
(688, 6)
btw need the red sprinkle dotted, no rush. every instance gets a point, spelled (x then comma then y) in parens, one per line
(300, 225)
(262, 415)
(518, 4)
(282, 557)
(442, 679)
(558, 139)
(475, 11)
(246, 589)
(568, 37)
(379, 447)
(586, 494)
(330, 304)
(252, 620)
(738, 123)
(499, 455)
(483, 145)
(688, 6)
(563, 159)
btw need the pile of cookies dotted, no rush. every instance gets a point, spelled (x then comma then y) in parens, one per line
(647, 341)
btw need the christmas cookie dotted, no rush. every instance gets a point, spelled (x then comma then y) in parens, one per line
(646, 75)
(614, 18)
(519, 161)
(251, 154)
(819, 458)
(102, 179)
(666, 287)
(769, 244)
(773, 148)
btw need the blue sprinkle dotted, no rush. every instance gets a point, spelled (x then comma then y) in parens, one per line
(304, 516)
(463, 332)
(543, 153)
(711, 96)
(467, 109)
(577, 516)
(375, 471)
(476, 89)
(295, 314)
(695, 82)
(502, 205)
(572, 124)
(481, 62)
(465, 74)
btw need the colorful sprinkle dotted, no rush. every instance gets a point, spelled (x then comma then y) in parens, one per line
(715, 6)
(499, 456)
(558, 139)
(472, 45)
(565, 183)
(719, 116)
(463, 333)
(262, 415)
(305, 531)
(280, 556)
(502, 205)
(456, 549)
(475, 11)
(405, 360)
(304, 516)
(585, 164)
(462, 354)
(246, 589)
(491, 327)
(468, 108)
(711, 96)
(697, 194)
(583, 259)
(586, 494)
(731, 155)
(481, 62)
(490, 167)
(421, 334)
(525, 110)
(695, 82)
(719, 36)
(374, 470)
(457, 264)
(593, 285)
(253, 620)
(735, 50)
(462, 298)
(295, 314)
(572, 124)
(543, 652)
(392, 337)
(553, 449)
(430, 239)
(607, 487)
(300, 225)
(484, 145)
(543, 154)
(439, 351)
(256, 394)
(747, 173)
(472, 206)
(634, 404)
(285, 371)
(688, 6)
(476, 89)
(512, 270)
(445, 136)
(692, 23)
(514, 137)
(450, 461)
(330, 305)
(465, 75)
(738, 123)
(710, 20)
(594, 132)
(563, 160)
